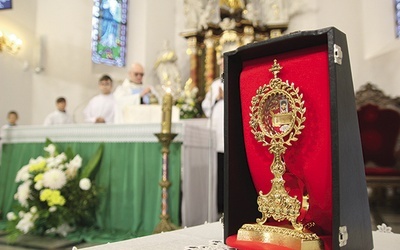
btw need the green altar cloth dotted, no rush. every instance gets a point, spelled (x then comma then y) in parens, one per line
(129, 175)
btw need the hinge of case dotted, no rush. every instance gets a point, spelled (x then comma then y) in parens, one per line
(337, 54)
(343, 236)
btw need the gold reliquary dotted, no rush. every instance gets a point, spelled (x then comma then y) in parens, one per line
(277, 116)
(294, 171)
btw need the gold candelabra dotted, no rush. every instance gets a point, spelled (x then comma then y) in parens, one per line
(165, 138)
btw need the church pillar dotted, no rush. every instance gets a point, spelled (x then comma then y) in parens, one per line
(192, 51)
(248, 35)
(209, 68)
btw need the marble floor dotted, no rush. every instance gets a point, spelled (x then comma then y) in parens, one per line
(386, 211)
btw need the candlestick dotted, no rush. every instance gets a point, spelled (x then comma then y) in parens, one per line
(166, 113)
(165, 224)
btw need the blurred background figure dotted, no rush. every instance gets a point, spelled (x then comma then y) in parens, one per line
(12, 118)
(100, 108)
(213, 108)
(60, 115)
(132, 92)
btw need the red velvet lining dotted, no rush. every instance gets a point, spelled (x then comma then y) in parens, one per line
(309, 159)
(379, 130)
(382, 171)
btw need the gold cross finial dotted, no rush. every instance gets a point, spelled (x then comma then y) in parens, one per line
(275, 69)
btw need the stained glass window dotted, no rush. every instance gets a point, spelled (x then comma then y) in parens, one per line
(397, 18)
(109, 32)
(5, 4)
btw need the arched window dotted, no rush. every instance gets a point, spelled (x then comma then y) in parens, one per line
(109, 32)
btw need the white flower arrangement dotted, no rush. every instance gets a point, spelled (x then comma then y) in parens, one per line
(187, 103)
(55, 194)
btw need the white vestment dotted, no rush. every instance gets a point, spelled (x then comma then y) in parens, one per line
(215, 111)
(125, 95)
(58, 117)
(100, 106)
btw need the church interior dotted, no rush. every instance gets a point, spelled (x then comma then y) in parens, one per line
(154, 168)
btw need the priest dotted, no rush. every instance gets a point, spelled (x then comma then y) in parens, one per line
(131, 92)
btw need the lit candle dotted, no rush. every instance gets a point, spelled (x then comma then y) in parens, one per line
(166, 113)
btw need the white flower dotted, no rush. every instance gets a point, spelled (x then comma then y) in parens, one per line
(56, 162)
(384, 228)
(33, 209)
(52, 209)
(39, 185)
(76, 162)
(61, 166)
(54, 179)
(51, 149)
(62, 230)
(71, 172)
(61, 158)
(73, 166)
(23, 193)
(11, 216)
(23, 174)
(37, 160)
(85, 184)
(51, 162)
(26, 223)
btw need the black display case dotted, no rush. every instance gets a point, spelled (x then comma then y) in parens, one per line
(326, 159)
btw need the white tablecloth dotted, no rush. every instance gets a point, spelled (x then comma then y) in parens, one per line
(206, 236)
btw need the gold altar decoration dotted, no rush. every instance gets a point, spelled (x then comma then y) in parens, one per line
(165, 138)
(167, 72)
(276, 120)
(10, 43)
(232, 6)
(217, 26)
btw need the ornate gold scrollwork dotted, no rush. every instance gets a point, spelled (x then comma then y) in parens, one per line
(276, 120)
(277, 117)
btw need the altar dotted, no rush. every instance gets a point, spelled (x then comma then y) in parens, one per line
(129, 173)
(210, 236)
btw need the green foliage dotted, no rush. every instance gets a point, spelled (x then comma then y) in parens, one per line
(69, 153)
(93, 163)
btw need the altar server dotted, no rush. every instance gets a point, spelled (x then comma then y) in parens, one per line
(60, 116)
(12, 118)
(100, 108)
(213, 108)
